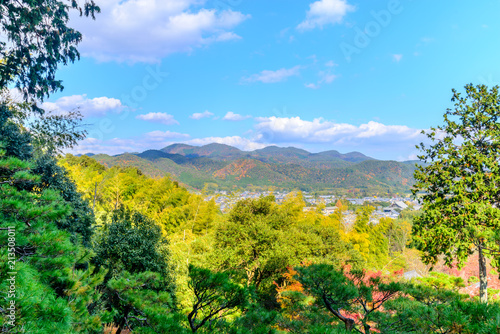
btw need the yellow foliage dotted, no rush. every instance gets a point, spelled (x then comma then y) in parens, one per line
(360, 242)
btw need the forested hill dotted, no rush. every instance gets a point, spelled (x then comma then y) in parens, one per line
(227, 167)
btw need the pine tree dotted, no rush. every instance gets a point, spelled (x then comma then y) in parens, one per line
(51, 294)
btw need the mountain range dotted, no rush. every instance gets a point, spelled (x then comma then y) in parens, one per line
(224, 167)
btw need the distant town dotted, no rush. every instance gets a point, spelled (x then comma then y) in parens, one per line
(384, 207)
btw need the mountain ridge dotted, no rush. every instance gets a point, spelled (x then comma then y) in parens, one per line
(226, 167)
(221, 149)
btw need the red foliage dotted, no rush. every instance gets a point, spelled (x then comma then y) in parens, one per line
(471, 268)
(364, 279)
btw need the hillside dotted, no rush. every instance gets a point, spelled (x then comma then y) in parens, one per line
(288, 168)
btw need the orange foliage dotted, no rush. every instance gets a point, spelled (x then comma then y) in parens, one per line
(110, 329)
(239, 169)
(289, 284)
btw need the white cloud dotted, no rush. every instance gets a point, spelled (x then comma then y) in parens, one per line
(111, 147)
(95, 107)
(327, 77)
(397, 57)
(158, 117)
(324, 12)
(231, 116)
(274, 76)
(319, 131)
(235, 141)
(227, 36)
(200, 115)
(312, 86)
(159, 136)
(372, 138)
(148, 30)
(330, 64)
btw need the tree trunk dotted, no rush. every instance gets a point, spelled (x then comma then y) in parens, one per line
(348, 322)
(483, 279)
(120, 326)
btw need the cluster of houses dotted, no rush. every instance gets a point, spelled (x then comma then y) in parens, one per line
(321, 199)
(391, 209)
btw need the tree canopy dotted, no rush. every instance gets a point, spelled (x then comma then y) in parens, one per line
(39, 39)
(459, 181)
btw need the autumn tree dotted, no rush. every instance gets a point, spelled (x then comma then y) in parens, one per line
(354, 297)
(459, 183)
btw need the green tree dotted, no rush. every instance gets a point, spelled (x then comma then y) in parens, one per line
(51, 221)
(38, 132)
(16, 139)
(39, 39)
(51, 133)
(459, 182)
(53, 285)
(250, 241)
(397, 232)
(434, 309)
(260, 239)
(204, 216)
(52, 176)
(132, 242)
(24, 143)
(139, 282)
(141, 303)
(215, 297)
(88, 176)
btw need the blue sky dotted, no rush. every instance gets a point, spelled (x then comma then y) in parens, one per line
(346, 75)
